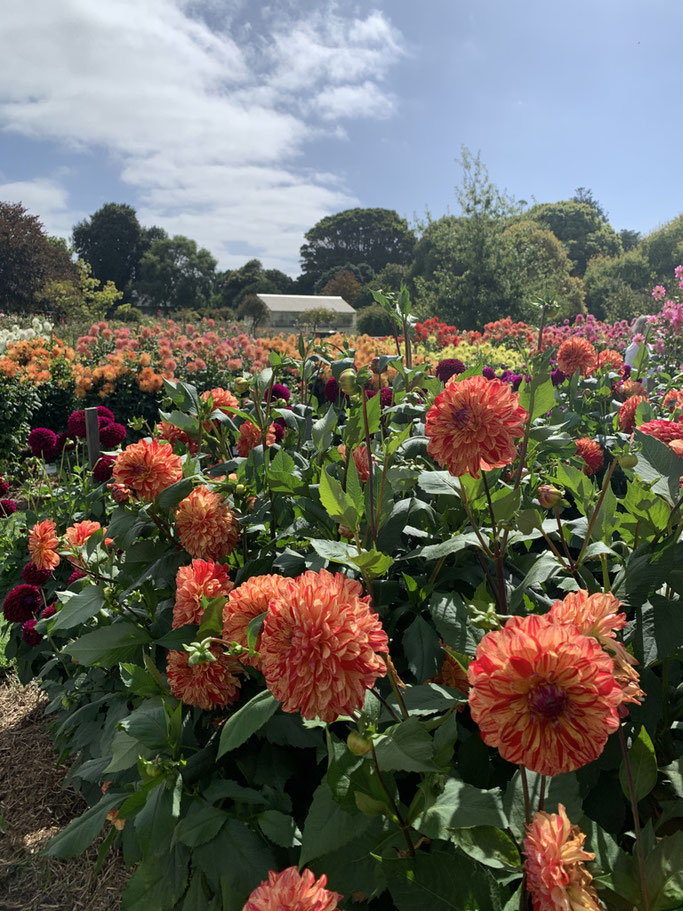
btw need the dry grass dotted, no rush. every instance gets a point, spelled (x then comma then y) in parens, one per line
(33, 808)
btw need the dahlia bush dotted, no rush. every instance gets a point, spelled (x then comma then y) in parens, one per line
(368, 629)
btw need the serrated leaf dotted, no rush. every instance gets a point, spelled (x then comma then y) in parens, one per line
(246, 721)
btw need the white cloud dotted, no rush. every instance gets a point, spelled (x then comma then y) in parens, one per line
(44, 197)
(207, 125)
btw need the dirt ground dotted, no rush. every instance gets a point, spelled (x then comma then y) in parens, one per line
(33, 808)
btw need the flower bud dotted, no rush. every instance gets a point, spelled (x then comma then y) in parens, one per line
(359, 745)
(548, 496)
(348, 381)
(629, 460)
(242, 384)
(345, 532)
(240, 490)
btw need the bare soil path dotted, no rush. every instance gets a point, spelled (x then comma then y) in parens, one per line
(33, 808)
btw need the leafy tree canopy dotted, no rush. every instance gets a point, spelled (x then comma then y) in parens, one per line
(113, 241)
(82, 297)
(372, 236)
(362, 271)
(29, 260)
(344, 284)
(581, 228)
(251, 278)
(253, 311)
(175, 274)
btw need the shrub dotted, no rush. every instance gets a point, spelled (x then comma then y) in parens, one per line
(374, 320)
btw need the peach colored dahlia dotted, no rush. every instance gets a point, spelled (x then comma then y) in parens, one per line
(556, 875)
(673, 400)
(201, 578)
(543, 695)
(43, 544)
(627, 413)
(592, 454)
(319, 646)
(577, 354)
(600, 616)
(666, 431)
(76, 535)
(250, 438)
(610, 358)
(245, 603)
(209, 685)
(361, 460)
(629, 388)
(206, 525)
(148, 468)
(472, 425)
(292, 891)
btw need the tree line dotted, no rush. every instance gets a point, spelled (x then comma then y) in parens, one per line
(490, 260)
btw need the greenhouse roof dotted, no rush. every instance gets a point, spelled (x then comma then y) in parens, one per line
(298, 303)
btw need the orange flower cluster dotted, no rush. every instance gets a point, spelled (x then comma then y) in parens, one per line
(246, 602)
(148, 468)
(627, 413)
(544, 695)
(592, 454)
(673, 400)
(554, 866)
(473, 425)
(320, 646)
(206, 525)
(663, 430)
(629, 388)
(292, 890)
(577, 354)
(208, 684)
(250, 438)
(610, 359)
(361, 459)
(201, 579)
(43, 544)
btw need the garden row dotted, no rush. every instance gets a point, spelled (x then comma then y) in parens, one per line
(368, 637)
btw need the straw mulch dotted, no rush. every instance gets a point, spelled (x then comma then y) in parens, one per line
(33, 808)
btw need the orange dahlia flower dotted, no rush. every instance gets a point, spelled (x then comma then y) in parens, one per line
(630, 387)
(172, 434)
(627, 413)
(319, 646)
(250, 438)
(222, 399)
(677, 446)
(663, 430)
(544, 695)
(577, 354)
(206, 525)
(555, 873)
(245, 603)
(291, 889)
(673, 400)
(148, 468)
(451, 674)
(600, 616)
(472, 425)
(209, 684)
(592, 454)
(76, 535)
(361, 460)
(610, 358)
(43, 544)
(201, 578)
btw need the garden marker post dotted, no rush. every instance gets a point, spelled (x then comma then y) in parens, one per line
(92, 435)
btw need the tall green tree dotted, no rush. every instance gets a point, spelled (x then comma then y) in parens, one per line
(372, 236)
(112, 241)
(29, 261)
(174, 274)
(582, 229)
(233, 285)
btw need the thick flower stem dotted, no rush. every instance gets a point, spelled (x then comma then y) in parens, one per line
(541, 796)
(391, 674)
(371, 479)
(525, 791)
(636, 819)
(405, 828)
(475, 527)
(593, 519)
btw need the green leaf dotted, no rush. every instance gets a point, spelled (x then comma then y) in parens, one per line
(562, 789)
(212, 619)
(643, 763)
(171, 496)
(77, 608)
(664, 874)
(108, 645)
(155, 823)
(406, 746)
(327, 826)
(140, 680)
(126, 751)
(246, 721)
(147, 724)
(659, 465)
(422, 649)
(202, 823)
(323, 429)
(81, 832)
(460, 805)
(488, 845)
(544, 394)
(338, 504)
(279, 828)
(439, 483)
(451, 618)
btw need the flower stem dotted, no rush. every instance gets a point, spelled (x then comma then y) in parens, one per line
(405, 828)
(636, 819)
(525, 791)
(594, 517)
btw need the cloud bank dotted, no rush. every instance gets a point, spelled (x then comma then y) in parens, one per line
(204, 109)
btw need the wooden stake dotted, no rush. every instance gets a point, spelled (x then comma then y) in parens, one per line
(92, 435)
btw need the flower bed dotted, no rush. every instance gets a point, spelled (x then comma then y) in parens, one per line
(416, 648)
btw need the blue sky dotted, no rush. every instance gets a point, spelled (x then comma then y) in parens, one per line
(240, 123)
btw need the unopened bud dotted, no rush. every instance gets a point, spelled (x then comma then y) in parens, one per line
(359, 745)
(548, 496)
(346, 532)
(630, 460)
(242, 384)
(348, 381)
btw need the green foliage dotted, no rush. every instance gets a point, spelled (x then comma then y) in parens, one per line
(374, 320)
(253, 311)
(317, 316)
(29, 261)
(371, 236)
(175, 273)
(83, 298)
(112, 242)
(581, 229)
